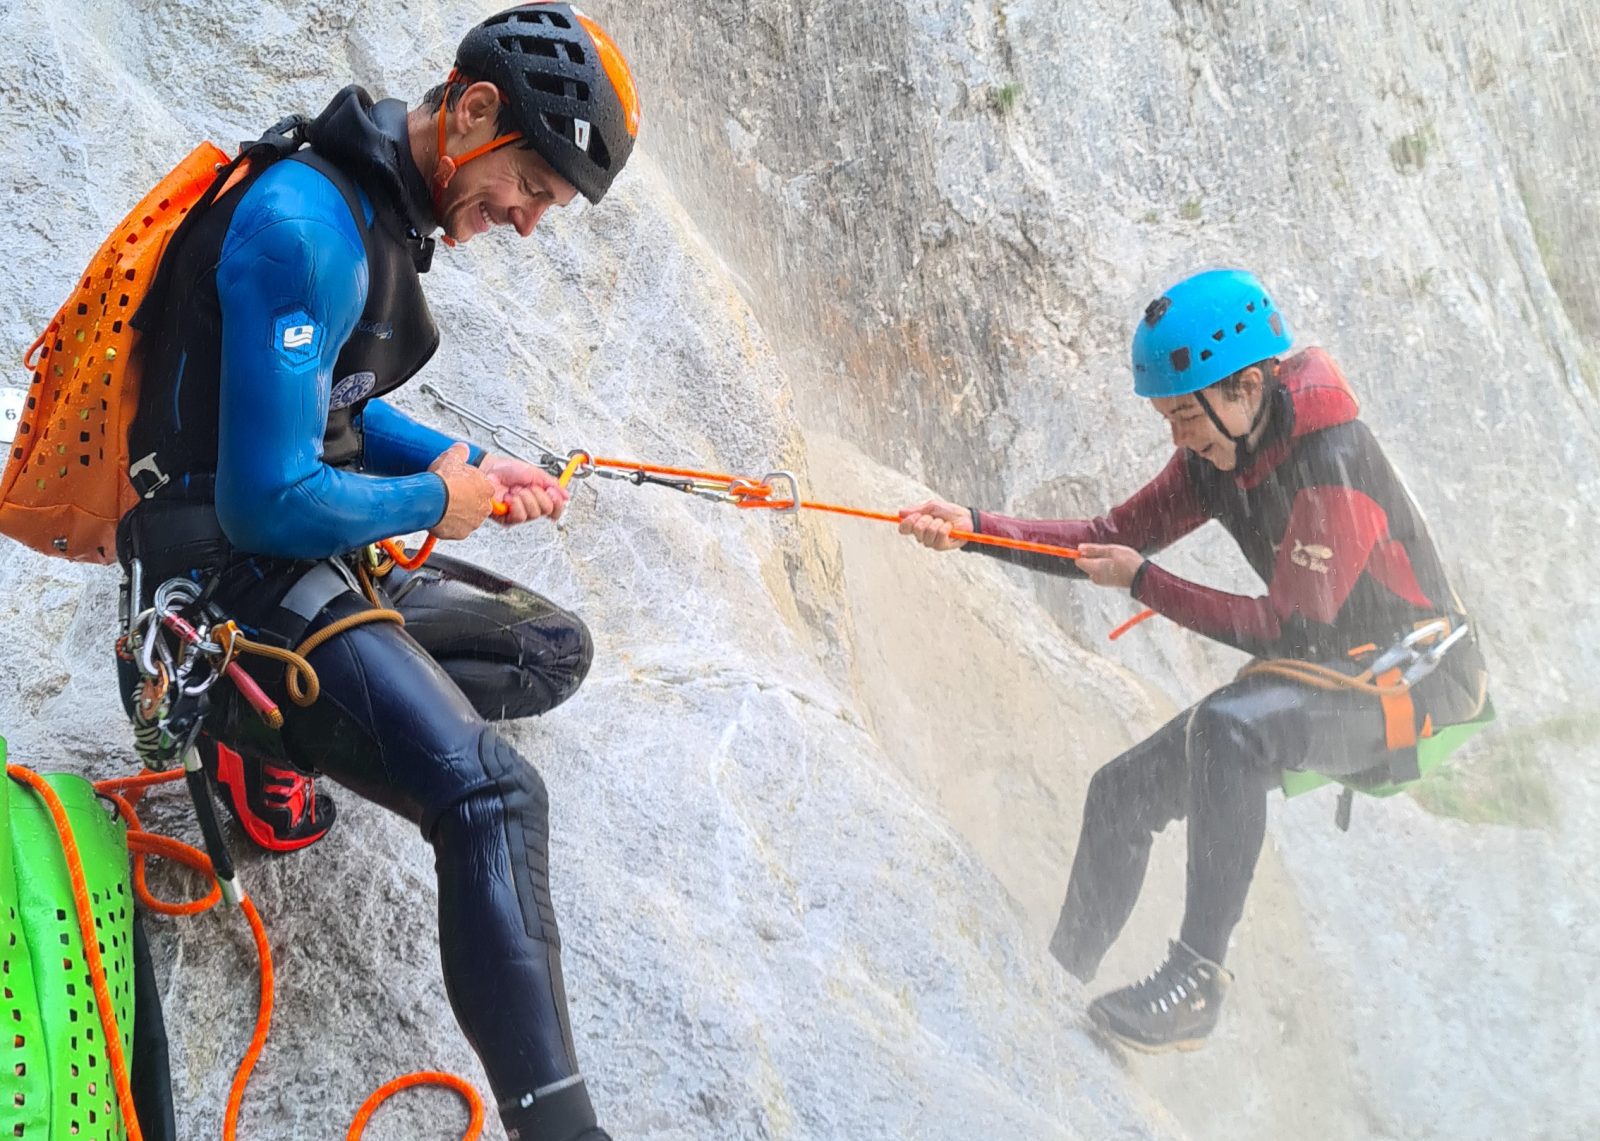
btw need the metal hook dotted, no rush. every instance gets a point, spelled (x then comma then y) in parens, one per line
(789, 478)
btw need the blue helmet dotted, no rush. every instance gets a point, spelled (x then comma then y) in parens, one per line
(1204, 329)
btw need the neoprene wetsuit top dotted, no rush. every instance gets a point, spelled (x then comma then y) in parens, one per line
(1319, 513)
(302, 308)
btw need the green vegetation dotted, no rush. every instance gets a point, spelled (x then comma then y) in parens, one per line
(1506, 777)
(1004, 99)
(1190, 210)
(1409, 153)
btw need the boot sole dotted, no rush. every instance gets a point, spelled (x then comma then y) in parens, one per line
(1117, 1038)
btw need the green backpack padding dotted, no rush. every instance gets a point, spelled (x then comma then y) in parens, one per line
(53, 1063)
(1431, 752)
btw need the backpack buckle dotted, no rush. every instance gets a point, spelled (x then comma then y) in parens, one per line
(147, 477)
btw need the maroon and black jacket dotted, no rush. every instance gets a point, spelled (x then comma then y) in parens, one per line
(1319, 513)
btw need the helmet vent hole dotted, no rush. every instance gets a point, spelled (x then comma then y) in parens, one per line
(1250, 307)
(1218, 335)
(559, 87)
(1180, 360)
(529, 16)
(1239, 328)
(1205, 355)
(530, 45)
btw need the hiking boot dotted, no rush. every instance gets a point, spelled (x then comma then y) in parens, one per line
(278, 806)
(1173, 1009)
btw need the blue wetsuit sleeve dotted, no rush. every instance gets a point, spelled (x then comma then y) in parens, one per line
(292, 282)
(398, 445)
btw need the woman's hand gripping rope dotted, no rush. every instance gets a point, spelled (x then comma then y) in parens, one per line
(944, 529)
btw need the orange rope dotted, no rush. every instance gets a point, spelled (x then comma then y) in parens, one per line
(755, 501)
(1142, 616)
(654, 469)
(427, 1077)
(409, 562)
(395, 551)
(258, 1040)
(123, 792)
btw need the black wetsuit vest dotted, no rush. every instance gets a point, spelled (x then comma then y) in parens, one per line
(362, 148)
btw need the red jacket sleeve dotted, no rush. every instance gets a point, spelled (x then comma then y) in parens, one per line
(1157, 515)
(1325, 549)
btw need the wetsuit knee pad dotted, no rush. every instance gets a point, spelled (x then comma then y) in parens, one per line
(1220, 731)
(511, 798)
(563, 649)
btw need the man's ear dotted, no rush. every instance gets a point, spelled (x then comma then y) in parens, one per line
(479, 102)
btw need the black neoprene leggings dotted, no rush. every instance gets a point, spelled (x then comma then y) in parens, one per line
(1215, 764)
(403, 721)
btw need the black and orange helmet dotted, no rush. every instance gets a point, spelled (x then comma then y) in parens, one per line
(566, 84)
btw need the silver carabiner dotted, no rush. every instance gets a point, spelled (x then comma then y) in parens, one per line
(789, 478)
(1429, 661)
(1404, 652)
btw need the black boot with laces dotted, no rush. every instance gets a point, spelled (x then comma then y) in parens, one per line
(1173, 1009)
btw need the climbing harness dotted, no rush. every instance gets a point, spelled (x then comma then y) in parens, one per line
(1412, 750)
(180, 659)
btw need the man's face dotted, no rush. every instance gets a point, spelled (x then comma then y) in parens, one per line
(511, 186)
(1193, 429)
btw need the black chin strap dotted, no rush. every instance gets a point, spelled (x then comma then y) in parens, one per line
(1244, 451)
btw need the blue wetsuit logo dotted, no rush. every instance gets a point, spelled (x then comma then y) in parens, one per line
(297, 338)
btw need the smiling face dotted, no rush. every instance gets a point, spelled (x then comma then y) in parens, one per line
(510, 186)
(1235, 405)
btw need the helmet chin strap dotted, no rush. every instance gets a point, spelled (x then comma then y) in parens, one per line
(444, 171)
(1244, 451)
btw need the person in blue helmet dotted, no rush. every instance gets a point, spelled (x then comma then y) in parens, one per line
(1269, 444)
(269, 460)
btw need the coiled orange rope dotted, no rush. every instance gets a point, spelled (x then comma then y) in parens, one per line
(124, 793)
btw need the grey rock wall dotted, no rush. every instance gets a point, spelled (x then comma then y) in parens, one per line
(815, 805)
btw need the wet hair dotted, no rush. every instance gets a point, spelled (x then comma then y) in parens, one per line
(1230, 387)
(450, 94)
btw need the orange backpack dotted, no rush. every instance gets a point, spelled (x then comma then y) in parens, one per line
(65, 484)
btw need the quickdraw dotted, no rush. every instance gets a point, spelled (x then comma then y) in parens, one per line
(777, 491)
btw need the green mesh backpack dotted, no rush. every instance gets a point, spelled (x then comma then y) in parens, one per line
(54, 1071)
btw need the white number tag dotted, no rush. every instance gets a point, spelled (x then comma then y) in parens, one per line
(12, 401)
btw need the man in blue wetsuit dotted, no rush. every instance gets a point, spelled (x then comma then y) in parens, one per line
(268, 460)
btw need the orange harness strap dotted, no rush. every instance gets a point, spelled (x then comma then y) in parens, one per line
(1399, 712)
